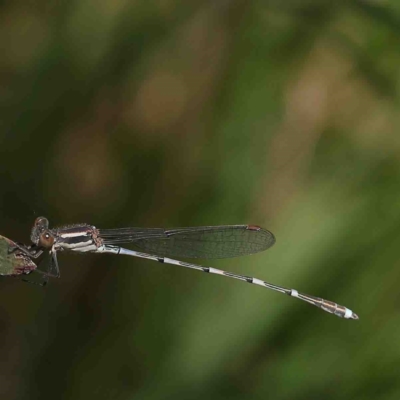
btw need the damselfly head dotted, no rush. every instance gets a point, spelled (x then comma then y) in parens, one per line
(46, 239)
(41, 223)
(39, 227)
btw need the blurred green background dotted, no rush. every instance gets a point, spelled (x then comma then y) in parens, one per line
(174, 113)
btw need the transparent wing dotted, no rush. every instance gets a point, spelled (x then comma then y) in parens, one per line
(194, 242)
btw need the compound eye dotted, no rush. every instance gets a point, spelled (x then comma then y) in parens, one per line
(41, 223)
(46, 240)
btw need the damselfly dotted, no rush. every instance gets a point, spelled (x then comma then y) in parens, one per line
(195, 242)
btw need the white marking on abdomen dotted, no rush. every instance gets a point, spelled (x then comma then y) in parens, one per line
(258, 282)
(216, 271)
(348, 313)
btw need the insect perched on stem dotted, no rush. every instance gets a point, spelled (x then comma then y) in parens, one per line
(159, 244)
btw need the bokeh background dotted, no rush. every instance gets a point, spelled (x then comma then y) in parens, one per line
(174, 113)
